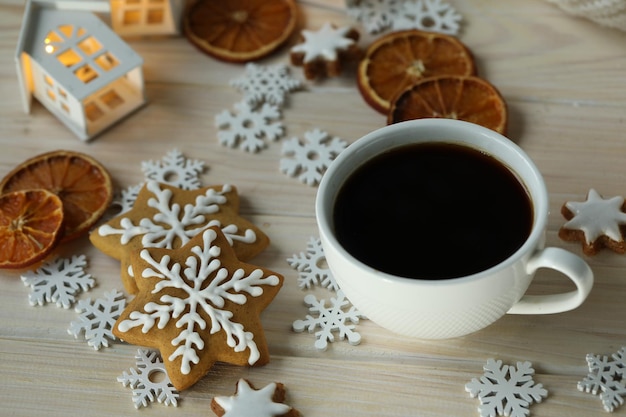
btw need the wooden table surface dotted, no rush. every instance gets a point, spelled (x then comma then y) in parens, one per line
(564, 81)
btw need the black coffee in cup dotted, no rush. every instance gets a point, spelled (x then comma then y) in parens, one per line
(432, 211)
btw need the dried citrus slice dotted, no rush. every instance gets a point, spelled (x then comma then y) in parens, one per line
(82, 183)
(471, 99)
(30, 227)
(239, 30)
(399, 59)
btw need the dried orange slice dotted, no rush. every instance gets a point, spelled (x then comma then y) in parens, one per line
(471, 99)
(30, 227)
(239, 30)
(400, 59)
(82, 183)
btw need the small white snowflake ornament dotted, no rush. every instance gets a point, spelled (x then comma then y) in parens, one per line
(330, 319)
(58, 281)
(125, 199)
(431, 15)
(375, 15)
(607, 378)
(506, 390)
(312, 267)
(149, 380)
(266, 84)
(96, 319)
(309, 160)
(249, 127)
(175, 170)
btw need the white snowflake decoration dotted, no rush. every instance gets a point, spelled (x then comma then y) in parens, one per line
(174, 169)
(309, 160)
(58, 281)
(146, 387)
(250, 402)
(330, 319)
(227, 286)
(606, 377)
(375, 15)
(249, 127)
(96, 320)
(431, 15)
(125, 200)
(312, 267)
(506, 390)
(266, 84)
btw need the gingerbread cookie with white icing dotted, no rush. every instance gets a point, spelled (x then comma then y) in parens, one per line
(198, 305)
(248, 401)
(164, 216)
(324, 52)
(596, 222)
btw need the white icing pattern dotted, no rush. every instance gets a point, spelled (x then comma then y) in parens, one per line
(173, 222)
(597, 217)
(206, 285)
(248, 402)
(324, 43)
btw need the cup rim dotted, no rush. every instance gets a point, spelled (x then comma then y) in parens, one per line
(327, 190)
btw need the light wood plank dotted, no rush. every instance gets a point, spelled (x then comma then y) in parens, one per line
(563, 80)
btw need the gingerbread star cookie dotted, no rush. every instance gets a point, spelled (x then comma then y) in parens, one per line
(596, 222)
(197, 305)
(168, 217)
(322, 53)
(248, 401)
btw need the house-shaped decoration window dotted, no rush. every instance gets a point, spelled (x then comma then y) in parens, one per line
(77, 67)
(146, 17)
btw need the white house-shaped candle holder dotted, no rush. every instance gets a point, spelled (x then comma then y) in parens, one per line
(77, 67)
(146, 17)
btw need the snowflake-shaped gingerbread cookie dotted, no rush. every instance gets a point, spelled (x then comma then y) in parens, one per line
(168, 217)
(596, 222)
(506, 390)
(330, 319)
(266, 84)
(322, 53)
(198, 304)
(58, 281)
(96, 319)
(309, 160)
(248, 401)
(149, 380)
(606, 378)
(312, 268)
(249, 127)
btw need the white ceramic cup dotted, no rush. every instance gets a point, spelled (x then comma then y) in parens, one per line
(437, 309)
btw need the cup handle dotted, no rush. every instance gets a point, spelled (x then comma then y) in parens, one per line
(569, 265)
